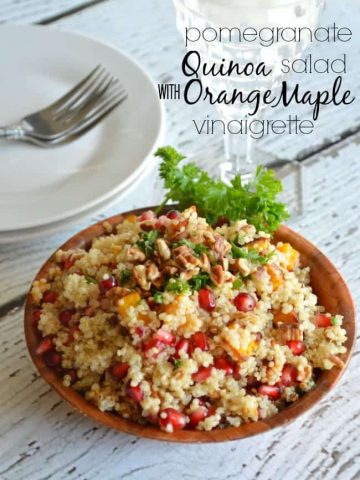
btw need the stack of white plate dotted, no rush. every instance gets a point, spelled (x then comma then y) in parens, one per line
(43, 190)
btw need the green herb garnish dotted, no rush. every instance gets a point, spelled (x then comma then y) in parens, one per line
(147, 242)
(199, 281)
(125, 276)
(158, 297)
(335, 321)
(237, 283)
(178, 286)
(90, 279)
(197, 248)
(250, 254)
(177, 363)
(190, 185)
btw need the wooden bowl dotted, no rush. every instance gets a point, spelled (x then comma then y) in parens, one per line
(326, 282)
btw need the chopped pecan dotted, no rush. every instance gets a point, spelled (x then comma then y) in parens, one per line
(209, 237)
(305, 373)
(286, 333)
(204, 263)
(217, 275)
(170, 270)
(163, 249)
(134, 254)
(187, 261)
(152, 272)
(221, 246)
(188, 274)
(240, 265)
(139, 273)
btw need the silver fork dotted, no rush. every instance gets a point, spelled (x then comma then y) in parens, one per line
(76, 112)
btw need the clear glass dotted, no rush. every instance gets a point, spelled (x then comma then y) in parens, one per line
(240, 154)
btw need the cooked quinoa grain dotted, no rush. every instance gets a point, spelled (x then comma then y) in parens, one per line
(172, 322)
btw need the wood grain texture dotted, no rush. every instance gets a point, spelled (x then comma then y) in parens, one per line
(42, 438)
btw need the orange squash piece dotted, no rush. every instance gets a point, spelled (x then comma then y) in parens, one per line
(276, 275)
(291, 256)
(124, 303)
(288, 318)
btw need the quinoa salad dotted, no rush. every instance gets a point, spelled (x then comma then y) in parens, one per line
(166, 320)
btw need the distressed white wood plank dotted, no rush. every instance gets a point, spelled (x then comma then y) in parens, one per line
(39, 430)
(31, 11)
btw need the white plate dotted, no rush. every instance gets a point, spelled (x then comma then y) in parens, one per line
(39, 187)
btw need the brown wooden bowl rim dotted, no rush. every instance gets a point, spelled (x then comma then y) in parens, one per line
(326, 382)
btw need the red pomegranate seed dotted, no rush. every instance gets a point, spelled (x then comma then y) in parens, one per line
(165, 337)
(200, 340)
(197, 416)
(202, 374)
(289, 375)
(153, 347)
(244, 302)
(224, 364)
(53, 359)
(71, 337)
(271, 391)
(118, 371)
(296, 346)
(173, 214)
(251, 381)
(46, 345)
(68, 263)
(149, 215)
(49, 297)
(135, 393)
(182, 345)
(107, 284)
(140, 331)
(322, 320)
(36, 317)
(65, 316)
(206, 300)
(170, 416)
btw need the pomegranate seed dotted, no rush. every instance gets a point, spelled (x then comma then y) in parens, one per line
(65, 316)
(107, 284)
(182, 345)
(173, 214)
(153, 347)
(140, 331)
(149, 215)
(322, 320)
(224, 364)
(135, 393)
(45, 346)
(251, 381)
(53, 359)
(202, 374)
(244, 302)
(36, 317)
(160, 223)
(200, 340)
(289, 375)
(197, 416)
(119, 370)
(153, 419)
(68, 263)
(236, 371)
(71, 337)
(296, 346)
(206, 300)
(170, 416)
(165, 337)
(271, 391)
(49, 296)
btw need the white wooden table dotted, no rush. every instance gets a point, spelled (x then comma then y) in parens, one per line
(40, 436)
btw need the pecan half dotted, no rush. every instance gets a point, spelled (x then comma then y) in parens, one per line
(163, 249)
(221, 246)
(204, 263)
(217, 275)
(152, 272)
(134, 254)
(187, 261)
(286, 333)
(139, 273)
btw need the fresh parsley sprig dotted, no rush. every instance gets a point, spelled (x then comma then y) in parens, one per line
(190, 185)
(250, 254)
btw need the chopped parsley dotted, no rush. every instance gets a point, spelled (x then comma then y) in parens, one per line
(178, 286)
(158, 297)
(197, 248)
(255, 201)
(237, 283)
(177, 363)
(335, 320)
(199, 281)
(125, 276)
(147, 242)
(250, 254)
(90, 279)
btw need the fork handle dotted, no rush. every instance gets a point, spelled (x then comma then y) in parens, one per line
(12, 132)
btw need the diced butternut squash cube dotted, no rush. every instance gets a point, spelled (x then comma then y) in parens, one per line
(287, 318)
(124, 303)
(290, 256)
(131, 218)
(276, 275)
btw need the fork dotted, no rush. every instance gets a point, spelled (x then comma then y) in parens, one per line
(76, 112)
